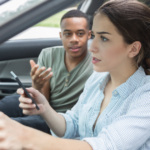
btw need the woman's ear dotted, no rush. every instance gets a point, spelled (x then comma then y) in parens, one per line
(135, 49)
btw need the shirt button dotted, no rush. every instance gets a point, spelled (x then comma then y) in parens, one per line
(65, 84)
(68, 74)
(66, 80)
(115, 93)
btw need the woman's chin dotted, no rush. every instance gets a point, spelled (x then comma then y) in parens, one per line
(98, 69)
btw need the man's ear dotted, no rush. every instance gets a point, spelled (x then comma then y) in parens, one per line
(60, 35)
(135, 49)
(89, 34)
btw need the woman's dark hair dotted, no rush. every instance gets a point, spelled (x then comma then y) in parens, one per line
(132, 19)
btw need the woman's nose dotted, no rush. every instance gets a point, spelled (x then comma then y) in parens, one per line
(93, 47)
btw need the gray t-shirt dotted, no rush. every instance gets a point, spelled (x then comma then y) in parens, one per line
(65, 87)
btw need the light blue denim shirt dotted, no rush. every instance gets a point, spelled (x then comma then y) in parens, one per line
(125, 122)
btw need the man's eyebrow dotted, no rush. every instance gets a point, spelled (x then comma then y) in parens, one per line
(81, 30)
(66, 30)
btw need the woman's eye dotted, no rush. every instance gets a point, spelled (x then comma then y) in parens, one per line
(104, 39)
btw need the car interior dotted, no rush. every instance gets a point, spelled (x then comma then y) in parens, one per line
(16, 54)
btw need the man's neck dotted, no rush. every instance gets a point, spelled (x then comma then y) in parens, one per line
(72, 62)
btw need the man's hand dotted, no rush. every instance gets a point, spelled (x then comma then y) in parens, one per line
(26, 103)
(38, 77)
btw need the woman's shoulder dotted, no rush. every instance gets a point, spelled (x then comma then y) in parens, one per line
(142, 92)
(96, 78)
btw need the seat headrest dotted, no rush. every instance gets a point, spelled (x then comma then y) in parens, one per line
(89, 42)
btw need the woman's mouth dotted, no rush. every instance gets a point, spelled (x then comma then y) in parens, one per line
(74, 48)
(95, 60)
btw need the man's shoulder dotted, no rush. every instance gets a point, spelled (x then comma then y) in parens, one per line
(51, 54)
(53, 49)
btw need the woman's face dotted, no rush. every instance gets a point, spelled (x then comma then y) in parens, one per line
(108, 48)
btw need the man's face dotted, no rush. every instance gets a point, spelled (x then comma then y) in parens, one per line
(74, 35)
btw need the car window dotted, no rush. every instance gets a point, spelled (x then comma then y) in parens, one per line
(3, 1)
(48, 28)
(13, 8)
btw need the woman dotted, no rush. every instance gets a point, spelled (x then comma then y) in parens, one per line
(113, 112)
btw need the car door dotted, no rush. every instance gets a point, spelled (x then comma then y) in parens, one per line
(16, 54)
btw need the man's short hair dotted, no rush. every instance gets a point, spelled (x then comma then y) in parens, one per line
(76, 13)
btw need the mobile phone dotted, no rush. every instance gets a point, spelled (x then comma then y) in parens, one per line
(21, 85)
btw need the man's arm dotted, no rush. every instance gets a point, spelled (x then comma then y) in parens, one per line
(40, 81)
(46, 90)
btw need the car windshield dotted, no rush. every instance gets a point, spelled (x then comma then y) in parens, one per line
(13, 8)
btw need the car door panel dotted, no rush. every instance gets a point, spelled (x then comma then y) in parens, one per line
(17, 49)
(15, 56)
(21, 67)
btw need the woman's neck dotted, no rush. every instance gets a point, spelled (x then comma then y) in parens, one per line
(117, 77)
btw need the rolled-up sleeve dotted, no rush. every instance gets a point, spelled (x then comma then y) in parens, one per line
(72, 116)
(127, 132)
(72, 120)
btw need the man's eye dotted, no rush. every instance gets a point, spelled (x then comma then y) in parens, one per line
(92, 36)
(80, 34)
(67, 34)
(104, 39)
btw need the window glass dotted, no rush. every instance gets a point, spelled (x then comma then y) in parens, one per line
(48, 28)
(14, 8)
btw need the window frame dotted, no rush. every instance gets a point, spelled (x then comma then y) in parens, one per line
(33, 16)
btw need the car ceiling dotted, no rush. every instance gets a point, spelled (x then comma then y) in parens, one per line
(95, 4)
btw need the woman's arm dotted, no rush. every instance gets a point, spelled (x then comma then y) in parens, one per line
(49, 142)
(27, 138)
(55, 121)
(64, 125)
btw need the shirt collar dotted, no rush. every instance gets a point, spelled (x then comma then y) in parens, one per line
(132, 83)
(104, 81)
(127, 87)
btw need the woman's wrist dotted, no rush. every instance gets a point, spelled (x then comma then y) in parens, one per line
(26, 138)
(30, 139)
(47, 111)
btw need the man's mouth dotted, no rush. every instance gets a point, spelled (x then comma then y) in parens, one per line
(95, 60)
(74, 48)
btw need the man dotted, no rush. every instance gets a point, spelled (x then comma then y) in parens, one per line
(71, 66)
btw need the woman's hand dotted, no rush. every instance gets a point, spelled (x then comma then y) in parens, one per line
(55, 121)
(11, 132)
(26, 103)
(15, 136)
(38, 77)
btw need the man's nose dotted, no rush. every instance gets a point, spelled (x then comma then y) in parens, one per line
(74, 38)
